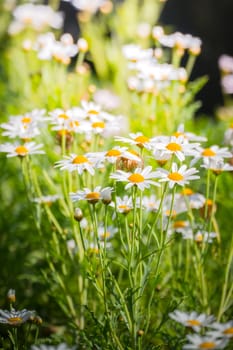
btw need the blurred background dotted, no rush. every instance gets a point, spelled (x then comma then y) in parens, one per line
(210, 20)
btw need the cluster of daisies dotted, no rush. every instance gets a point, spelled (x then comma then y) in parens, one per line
(89, 119)
(151, 72)
(48, 48)
(124, 163)
(35, 16)
(226, 68)
(217, 336)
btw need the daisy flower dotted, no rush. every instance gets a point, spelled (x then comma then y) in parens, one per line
(113, 154)
(195, 200)
(15, 318)
(137, 139)
(217, 166)
(228, 136)
(61, 346)
(200, 236)
(212, 152)
(123, 205)
(14, 150)
(222, 330)
(89, 195)
(106, 234)
(150, 203)
(188, 135)
(141, 178)
(46, 199)
(180, 176)
(35, 16)
(178, 146)
(192, 319)
(207, 342)
(78, 163)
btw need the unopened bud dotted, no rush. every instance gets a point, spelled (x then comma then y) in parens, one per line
(78, 214)
(106, 195)
(82, 45)
(11, 296)
(140, 332)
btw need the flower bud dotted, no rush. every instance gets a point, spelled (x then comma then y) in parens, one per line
(78, 214)
(11, 296)
(82, 45)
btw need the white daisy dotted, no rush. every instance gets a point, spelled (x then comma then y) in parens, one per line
(189, 135)
(217, 166)
(113, 154)
(212, 152)
(89, 195)
(191, 319)
(21, 150)
(14, 317)
(46, 199)
(150, 203)
(137, 139)
(179, 176)
(204, 342)
(178, 146)
(228, 136)
(195, 200)
(123, 205)
(61, 346)
(222, 330)
(78, 163)
(140, 178)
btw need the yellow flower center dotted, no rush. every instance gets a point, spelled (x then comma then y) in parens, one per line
(228, 331)
(113, 153)
(132, 151)
(209, 202)
(63, 116)
(93, 111)
(187, 192)
(26, 120)
(73, 124)
(79, 160)
(136, 178)
(21, 150)
(105, 235)
(170, 213)
(178, 133)
(199, 238)
(15, 320)
(93, 195)
(174, 147)
(231, 126)
(124, 207)
(176, 176)
(193, 323)
(208, 152)
(98, 125)
(141, 139)
(207, 345)
(180, 224)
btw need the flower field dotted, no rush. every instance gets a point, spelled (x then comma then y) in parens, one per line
(116, 200)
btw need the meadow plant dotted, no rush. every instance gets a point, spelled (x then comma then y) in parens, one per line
(123, 193)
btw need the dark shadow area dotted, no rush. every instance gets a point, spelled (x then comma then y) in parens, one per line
(212, 21)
